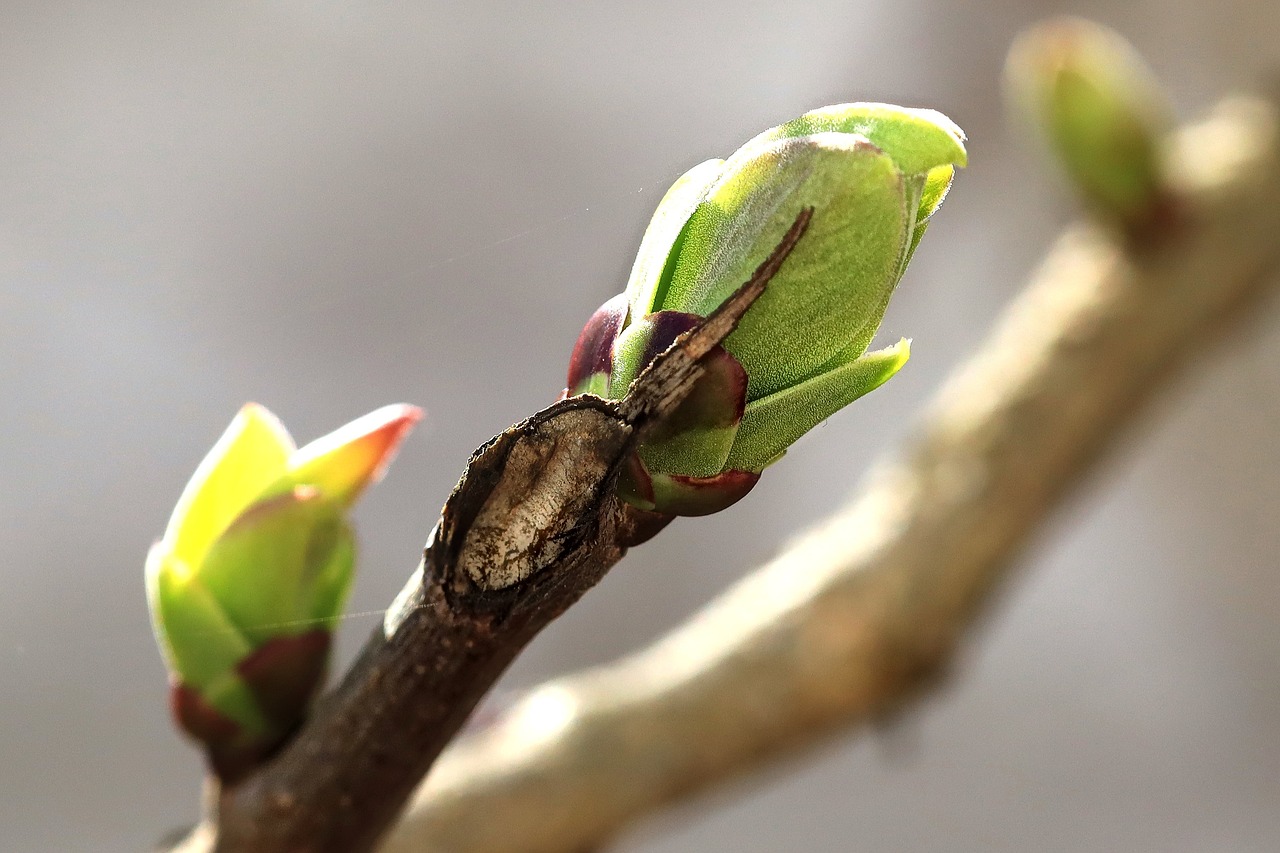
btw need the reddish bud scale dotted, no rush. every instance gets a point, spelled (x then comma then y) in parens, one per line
(231, 752)
(717, 401)
(283, 675)
(593, 352)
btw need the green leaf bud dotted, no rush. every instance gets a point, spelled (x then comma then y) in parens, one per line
(1086, 90)
(874, 174)
(250, 578)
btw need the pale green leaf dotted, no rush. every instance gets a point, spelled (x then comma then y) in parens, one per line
(325, 598)
(262, 568)
(628, 356)
(199, 641)
(936, 186)
(694, 452)
(773, 424)
(655, 260)
(836, 279)
(252, 452)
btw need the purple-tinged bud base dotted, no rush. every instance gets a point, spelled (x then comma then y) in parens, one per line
(637, 526)
(695, 440)
(677, 494)
(592, 359)
(283, 675)
(231, 752)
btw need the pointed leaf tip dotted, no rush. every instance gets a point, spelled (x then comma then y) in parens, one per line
(250, 454)
(344, 462)
(773, 424)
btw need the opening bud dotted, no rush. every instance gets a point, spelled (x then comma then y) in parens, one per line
(252, 573)
(874, 175)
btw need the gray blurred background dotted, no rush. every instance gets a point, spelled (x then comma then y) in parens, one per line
(328, 206)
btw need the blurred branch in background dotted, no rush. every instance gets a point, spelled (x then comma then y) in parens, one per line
(868, 608)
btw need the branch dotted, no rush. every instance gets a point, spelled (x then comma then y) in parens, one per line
(531, 526)
(864, 612)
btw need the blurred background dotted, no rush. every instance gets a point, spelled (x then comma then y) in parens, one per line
(328, 206)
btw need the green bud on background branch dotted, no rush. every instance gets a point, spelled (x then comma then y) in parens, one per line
(1086, 90)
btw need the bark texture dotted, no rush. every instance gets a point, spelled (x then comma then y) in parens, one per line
(531, 526)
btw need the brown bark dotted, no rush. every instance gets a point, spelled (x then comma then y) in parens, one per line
(531, 526)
